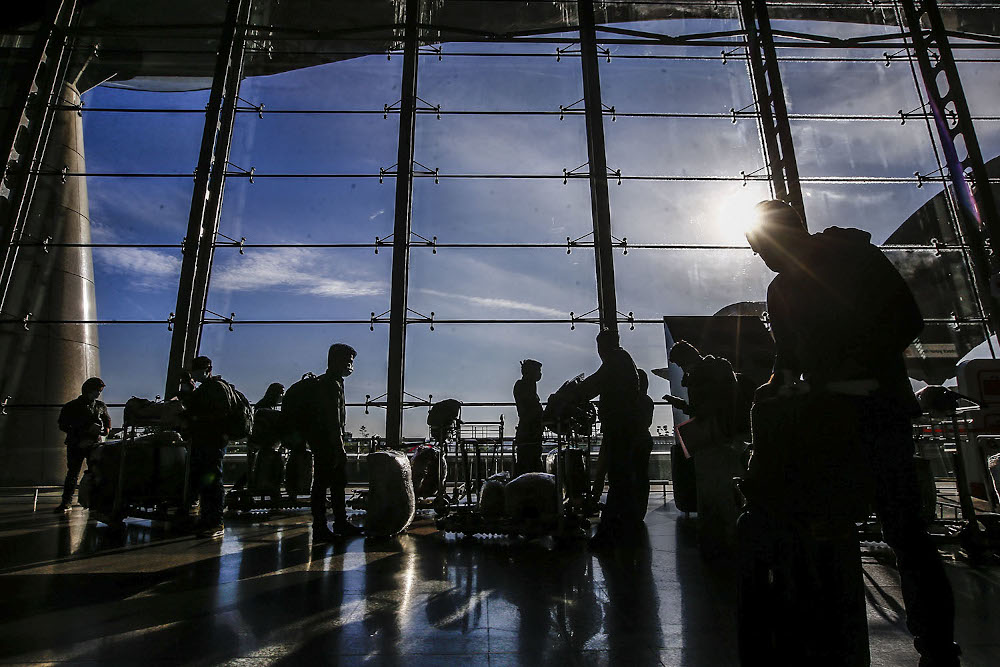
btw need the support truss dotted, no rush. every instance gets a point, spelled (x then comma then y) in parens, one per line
(776, 134)
(206, 199)
(977, 208)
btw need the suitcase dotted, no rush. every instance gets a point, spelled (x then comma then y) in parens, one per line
(575, 482)
(298, 473)
(683, 478)
(800, 593)
(153, 472)
(268, 471)
(391, 503)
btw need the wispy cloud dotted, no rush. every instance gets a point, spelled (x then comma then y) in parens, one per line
(145, 268)
(500, 304)
(300, 270)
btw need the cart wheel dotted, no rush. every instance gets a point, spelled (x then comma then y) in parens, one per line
(440, 506)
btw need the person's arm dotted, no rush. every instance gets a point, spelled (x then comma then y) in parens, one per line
(786, 366)
(105, 420)
(592, 385)
(66, 424)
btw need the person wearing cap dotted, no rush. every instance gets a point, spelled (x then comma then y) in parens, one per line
(207, 408)
(842, 316)
(325, 432)
(85, 421)
(617, 384)
(528, 435)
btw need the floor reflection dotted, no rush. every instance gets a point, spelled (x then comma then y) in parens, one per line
(267, 593)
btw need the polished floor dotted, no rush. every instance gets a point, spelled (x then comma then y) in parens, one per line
(266, 594)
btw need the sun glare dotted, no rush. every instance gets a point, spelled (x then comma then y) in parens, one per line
(734, 216)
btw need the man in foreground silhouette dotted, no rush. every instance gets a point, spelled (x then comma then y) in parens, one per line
(842, 316)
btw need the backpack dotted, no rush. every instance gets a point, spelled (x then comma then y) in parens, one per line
(297, 407)
(239, 421)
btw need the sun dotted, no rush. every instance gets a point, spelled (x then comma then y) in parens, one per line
(733, 216)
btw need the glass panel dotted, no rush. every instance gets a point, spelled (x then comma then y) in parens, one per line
(502, 284)
(502, 210)
(133, 362)
(138, 210)
(300, 283)
(653, 283)
(980, 73)
(893, 213)
(480, 363)
(253, 356)
(678, 212)
(939, 281)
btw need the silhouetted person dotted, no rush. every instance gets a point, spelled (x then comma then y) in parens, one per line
(643, 443)
(528, 436)
(711, 385)
(267, 427)
(324, 432)
(841, 316)
(617, 383)
(207, 409)
(85, 421)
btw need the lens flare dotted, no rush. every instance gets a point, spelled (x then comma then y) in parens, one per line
(734, 216)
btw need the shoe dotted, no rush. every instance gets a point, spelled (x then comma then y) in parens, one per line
(322, 533)
(940, 655)
(347, 529)
(63, 507)
(211, 530)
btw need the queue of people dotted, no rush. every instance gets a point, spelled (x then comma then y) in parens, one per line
(841, 317)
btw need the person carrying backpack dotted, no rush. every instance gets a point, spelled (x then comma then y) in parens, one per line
(842, 317)
(211, 410)
(314, 410)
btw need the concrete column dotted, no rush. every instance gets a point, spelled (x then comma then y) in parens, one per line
(47, 363)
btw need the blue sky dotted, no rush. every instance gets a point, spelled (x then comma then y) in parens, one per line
(476, 363)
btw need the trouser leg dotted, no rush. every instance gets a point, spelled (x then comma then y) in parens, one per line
(74, 462)
(338, 491)
(322, 480)
(206, 471)
(927, 595)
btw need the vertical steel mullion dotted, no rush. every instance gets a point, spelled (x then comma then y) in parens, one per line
(217, 185)
(187, 319)
(401, 228)
(600, 205)
(765, 76)
(50, 70)
(978, 217)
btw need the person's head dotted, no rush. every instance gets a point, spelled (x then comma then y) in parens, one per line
(684, 354)
(776, 233)
(607, 341)
(531, 370)
(273, 394)
(92, 388)
(201, 369)
(340, 359)
(643, 381)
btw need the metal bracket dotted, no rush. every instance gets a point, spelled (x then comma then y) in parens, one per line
(726, 54)
(241, 170)
(569, 50)
(45, 244)
(230, 320)
(259, 108)
(3, 405)
(396, 106)
(377, 318)
(574, 318)
(630, 318)
(427, 171)
(572, 243)
(370, 402)
(746, 177)
(573, 109)
(622, 243)
(24, 321)
(423, 318)
(236, 244)
(432, 243)
(742, 112)
(170, 321)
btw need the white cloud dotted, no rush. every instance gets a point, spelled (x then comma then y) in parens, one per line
(505, 304)
(146, 268)
(301, 270)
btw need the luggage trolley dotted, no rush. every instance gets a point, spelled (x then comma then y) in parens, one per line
(143, 475)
